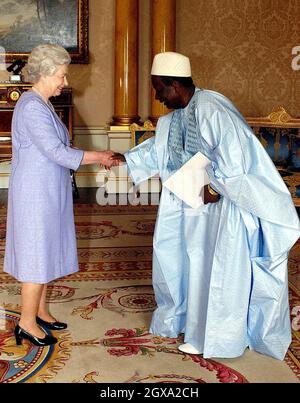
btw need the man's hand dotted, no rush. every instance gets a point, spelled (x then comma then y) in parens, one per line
(106, 161)
(210, 196)
(118, 157)
(110, 159)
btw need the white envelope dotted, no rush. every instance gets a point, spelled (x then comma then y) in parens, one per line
(188, 182)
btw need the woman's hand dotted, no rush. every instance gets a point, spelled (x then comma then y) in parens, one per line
(105, 161)
(110, 159)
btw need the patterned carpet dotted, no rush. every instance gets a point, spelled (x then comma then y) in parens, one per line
(108, 306)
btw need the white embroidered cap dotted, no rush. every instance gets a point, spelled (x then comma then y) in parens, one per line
(171, 64)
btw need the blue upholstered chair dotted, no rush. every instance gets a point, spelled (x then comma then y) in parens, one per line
(279, 133)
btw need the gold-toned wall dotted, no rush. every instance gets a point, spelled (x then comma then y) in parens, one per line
(243, 49)
(93, 83)
(144, 58)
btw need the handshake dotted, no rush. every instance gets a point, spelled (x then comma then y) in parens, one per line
(110, 159)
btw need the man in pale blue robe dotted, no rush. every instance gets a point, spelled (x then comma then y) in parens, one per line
(219, 271)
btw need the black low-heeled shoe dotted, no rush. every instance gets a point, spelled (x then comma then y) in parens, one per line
(21, 334)
(51, 325)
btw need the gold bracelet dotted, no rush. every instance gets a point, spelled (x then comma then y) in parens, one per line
(212, 191)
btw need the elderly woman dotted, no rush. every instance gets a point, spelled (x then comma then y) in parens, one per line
(41, 242)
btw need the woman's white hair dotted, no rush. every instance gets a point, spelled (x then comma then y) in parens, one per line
(45, 59)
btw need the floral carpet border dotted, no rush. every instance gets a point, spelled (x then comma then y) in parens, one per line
(293, 356)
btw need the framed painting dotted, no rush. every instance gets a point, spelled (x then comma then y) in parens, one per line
(25, 24)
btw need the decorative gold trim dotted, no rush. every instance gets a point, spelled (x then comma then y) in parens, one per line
(9, 84)
(147, 128)
(82, 56)
(278, 118)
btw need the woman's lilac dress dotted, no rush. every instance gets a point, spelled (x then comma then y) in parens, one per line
(40, 235)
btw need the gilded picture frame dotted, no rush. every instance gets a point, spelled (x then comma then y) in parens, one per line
(25, 24)
(141, 133)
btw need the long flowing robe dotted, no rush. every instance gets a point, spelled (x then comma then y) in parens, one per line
(220, 271)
